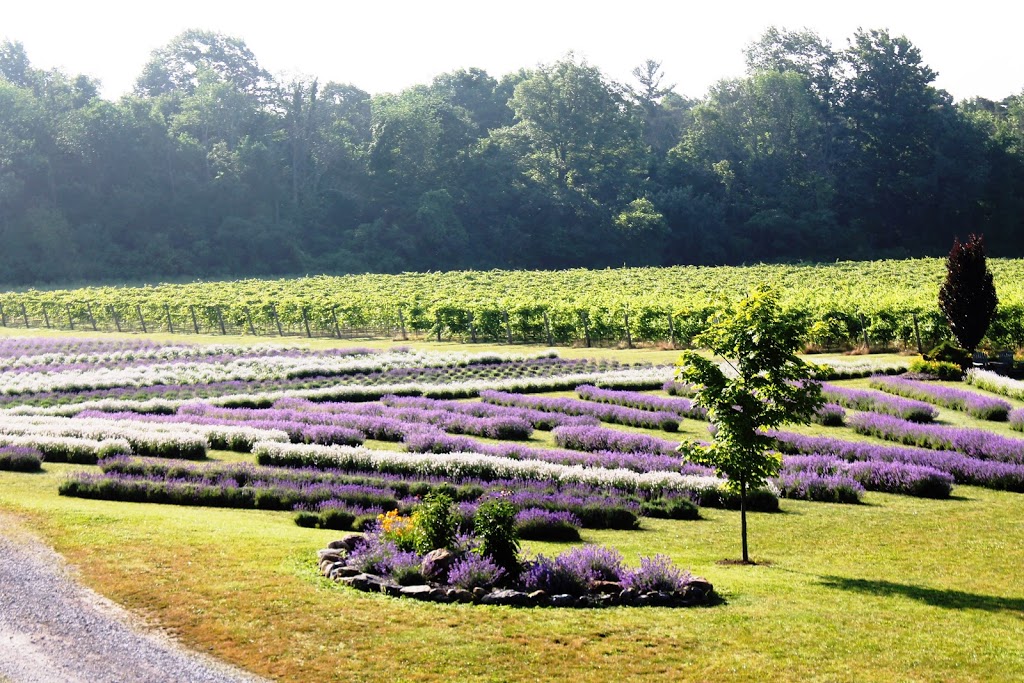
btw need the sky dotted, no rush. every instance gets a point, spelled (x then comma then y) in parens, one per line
(388, 45)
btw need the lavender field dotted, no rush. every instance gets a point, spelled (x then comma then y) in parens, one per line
(331, 439)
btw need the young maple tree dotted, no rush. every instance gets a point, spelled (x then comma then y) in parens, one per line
(968, 296)
(764, 389)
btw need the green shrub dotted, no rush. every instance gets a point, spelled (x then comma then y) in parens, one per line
(495, 525)
(949, 352)
(944, 370)
(436, 523)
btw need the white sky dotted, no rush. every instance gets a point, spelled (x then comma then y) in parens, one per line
(387, 45)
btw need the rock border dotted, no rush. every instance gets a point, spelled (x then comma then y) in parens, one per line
(332, 564)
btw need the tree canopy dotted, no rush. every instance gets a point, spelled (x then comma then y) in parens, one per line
(213, 167)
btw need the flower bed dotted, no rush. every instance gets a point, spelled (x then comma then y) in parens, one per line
(974, 404)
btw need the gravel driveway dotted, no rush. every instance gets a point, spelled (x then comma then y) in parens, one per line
(53, 630)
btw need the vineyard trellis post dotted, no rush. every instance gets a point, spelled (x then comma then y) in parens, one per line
(3, 315)
(142, 319)
(864, 330)
(71, 318)
(114, 317)
(337, 327)
(248, 318)
(92, 318)
(671, 331)
(917, 334)
(472, 326)
(401, 322)
(220, 319)
(24, 314)
(508, 327)
(170, 325)
(305, 321)
(277, 321)
(547, 329)
(585, 319)
(195, 321)
(629, 337)
(46, 316)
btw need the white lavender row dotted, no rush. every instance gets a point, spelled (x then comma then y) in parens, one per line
(464, 465)
(174, 441)
(996, 383)
(68, 448)
(972, 403)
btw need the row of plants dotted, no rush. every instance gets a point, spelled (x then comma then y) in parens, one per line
(964, 469)
(974, 442)
(841, 302)
(970, 402)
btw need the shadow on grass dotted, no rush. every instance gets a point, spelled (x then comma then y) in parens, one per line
(949, 599)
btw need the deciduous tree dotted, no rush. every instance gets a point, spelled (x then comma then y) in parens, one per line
(763, 389)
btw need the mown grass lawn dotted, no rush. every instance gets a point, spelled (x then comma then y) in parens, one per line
(897, 589)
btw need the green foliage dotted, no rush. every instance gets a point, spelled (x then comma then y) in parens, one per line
(764, 389)
(949, 352)
(495, 525)
(944, 370)
(436, 523)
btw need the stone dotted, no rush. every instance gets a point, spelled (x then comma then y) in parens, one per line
(539, 597)
(348, 543)
(606, 587)
(436, 563)
(628, 596)
(460, 595)
(479, 592)
(507, 597)
(340, 571)
(364, 582)
(392, 589)
(563, 600)
(438, 594)
(328, 555)
(701, 586)
(417, 592)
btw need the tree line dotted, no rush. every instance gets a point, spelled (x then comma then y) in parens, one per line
(211, 167)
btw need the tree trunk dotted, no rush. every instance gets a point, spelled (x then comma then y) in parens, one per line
(743, 518)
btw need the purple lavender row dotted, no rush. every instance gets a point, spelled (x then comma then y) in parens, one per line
(641, 401)
(1016, 418)
(438, 442)
(206, 359)
(298, 432)
(540, 419)
(887, 477)
(963, 468)
(573, 406)
(972, 403)
(383, 418)
(593, 439)
(973, 442)
(538, 367)
(13, 347)
(596, 508)
(879, 402)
